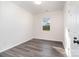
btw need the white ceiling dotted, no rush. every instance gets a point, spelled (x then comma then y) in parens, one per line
(44, 7)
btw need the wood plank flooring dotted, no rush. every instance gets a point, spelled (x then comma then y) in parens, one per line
(35, 48)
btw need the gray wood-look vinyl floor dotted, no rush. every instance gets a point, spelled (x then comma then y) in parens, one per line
(35, 48)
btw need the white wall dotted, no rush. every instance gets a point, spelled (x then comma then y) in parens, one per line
(15, 25)
(56, 32)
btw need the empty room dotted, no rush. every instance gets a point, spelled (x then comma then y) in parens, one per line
(32, 29)
(37, 28)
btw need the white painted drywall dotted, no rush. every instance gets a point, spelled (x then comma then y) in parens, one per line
(56, 32)
(15, 25)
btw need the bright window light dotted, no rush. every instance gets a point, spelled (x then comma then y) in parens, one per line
(37, 2)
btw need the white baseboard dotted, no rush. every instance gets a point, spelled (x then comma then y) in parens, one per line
(14, 45)
(23, 42)
(48, 39)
